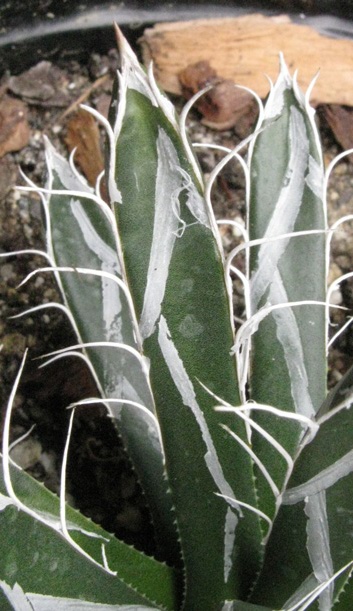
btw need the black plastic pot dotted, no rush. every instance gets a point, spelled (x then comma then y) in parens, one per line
(48, 29)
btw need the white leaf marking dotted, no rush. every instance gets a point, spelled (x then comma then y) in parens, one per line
(109, 263)
(16, 597)
(162, 101)
(69, 179)
(305, 589)
(288, 335)
(275, 99)
(195, 202)
(315, 177)
(285, 211)
(323, 480)
(235, 503)
(94, 242)
(318, 545)
(229, 541)
(164, 234)
(309, 597)
(171, 180)
(186, 390)
(5, 501)
(29, 601)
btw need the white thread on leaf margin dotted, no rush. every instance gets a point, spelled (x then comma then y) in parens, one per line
(43, 517)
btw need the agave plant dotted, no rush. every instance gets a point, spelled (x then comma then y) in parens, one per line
(245, 460)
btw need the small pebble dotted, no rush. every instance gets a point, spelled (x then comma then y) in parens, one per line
(26, 453)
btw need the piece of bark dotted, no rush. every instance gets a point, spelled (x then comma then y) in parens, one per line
(83, 134)
(14, 128)
(43, 85)
(247, 48)
(225, 105)
(340, 121)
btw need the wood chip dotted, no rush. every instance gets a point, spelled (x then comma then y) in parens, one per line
(223, 106)
(247, 48)
(83, 134)
(14, 128)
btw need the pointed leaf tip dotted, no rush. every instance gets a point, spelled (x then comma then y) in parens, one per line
(119, 36)
(125, 50)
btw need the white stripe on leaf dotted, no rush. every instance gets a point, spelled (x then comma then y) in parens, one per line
(235, 503)
(67, 173)
(165, 228)
(229, 542)
(184, 385)
(288, 335)
(30, 601)
(108, 262)
(321, 481)
(315, 178)
(171, 182)
(5, 501)
(133, 75)
(318, 545)
(110, 308)
(308, 598)
(286, 209)
(106, 255)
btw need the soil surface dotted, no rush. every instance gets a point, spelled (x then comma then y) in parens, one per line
(100, 479)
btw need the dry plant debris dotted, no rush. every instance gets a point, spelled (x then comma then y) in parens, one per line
(246, 48)
(340, 120)
(83, 135)
(14, 128)
(224, 106)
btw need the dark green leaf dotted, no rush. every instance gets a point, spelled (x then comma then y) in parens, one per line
(41, 561)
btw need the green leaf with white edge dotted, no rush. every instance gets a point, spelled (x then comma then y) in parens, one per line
(175, 272)
(288, 351)
(312, 537)
(105, 571)
(238, 605)
(14, 598)
(82, 236)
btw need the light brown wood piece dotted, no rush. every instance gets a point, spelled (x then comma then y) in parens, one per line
(247, 48)
(83, 135)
